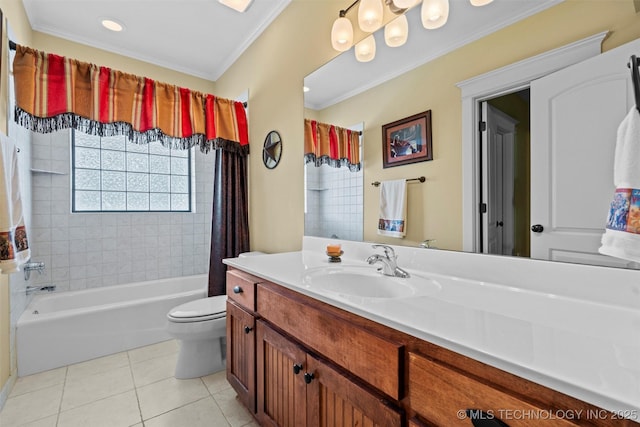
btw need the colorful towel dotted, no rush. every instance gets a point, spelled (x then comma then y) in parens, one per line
(393, 208)
(622, 235)
(14, 245)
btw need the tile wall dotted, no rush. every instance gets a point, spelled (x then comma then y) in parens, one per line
(87, 250)
(334, 204)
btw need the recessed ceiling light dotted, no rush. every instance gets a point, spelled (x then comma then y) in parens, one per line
(112, 25)
(239, 5)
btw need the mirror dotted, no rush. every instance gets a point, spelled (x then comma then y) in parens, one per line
(272, 150)
(400, 83)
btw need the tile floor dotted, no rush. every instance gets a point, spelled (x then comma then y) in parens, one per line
(133, 388)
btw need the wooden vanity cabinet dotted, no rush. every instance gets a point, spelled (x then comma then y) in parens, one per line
(296, 361)
(296, 389)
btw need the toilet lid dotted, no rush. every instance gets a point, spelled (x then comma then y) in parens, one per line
(210, 308)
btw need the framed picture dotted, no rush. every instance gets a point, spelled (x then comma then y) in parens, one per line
(407, 141)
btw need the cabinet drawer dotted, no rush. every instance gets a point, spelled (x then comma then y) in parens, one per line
(374, 359)
(241, 288)
(442, 395)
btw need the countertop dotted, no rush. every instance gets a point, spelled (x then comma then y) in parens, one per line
(576, 344)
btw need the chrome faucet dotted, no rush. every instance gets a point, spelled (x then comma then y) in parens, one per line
(389, 262)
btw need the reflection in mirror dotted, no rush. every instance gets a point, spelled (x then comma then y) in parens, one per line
(334, 199)
(343, 88)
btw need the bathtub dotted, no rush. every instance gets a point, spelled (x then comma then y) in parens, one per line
(62, 328)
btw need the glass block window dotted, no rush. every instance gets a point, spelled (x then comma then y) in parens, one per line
(111, 174)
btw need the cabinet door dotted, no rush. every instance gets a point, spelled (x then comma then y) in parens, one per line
(281, 386)
(335, 400)
(241, 346)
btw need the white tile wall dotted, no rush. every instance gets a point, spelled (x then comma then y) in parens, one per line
(334, 203)
(87, 250)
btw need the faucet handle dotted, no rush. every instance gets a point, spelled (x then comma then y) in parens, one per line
(388, 251)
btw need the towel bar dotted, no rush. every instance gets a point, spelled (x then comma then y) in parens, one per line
(421, 179)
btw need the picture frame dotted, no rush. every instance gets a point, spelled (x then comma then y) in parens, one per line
(407, 140)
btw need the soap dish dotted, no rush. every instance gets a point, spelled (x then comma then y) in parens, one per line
(335, 258)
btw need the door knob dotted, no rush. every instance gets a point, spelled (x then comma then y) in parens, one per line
(237, 290)
(537, 228)
(247, 329)
(499, 223)
(297, 368)
(308, 377)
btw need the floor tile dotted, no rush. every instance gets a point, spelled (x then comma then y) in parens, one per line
(38, 381)
(152, 351)
(99, 365)
(153, 370)
(203, 413)
(32, 406)
(87, 389)
(116, 411)
(216, 382)
(43, 422)
(235, 413)
(166, 395)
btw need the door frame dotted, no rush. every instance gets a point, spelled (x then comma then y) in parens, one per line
(502, 81)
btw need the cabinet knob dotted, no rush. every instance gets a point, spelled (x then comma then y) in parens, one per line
(237, 290)
(537, 228)
(308, 377)
(297, 368)
(247, 329)
(480, 418)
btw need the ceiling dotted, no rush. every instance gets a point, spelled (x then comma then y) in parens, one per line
(202, 38)
(345, 77)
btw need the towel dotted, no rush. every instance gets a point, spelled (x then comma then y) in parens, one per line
(14, 245)
(621, 238)
(393, 208)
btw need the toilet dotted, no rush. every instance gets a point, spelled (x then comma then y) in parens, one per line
(200, 328)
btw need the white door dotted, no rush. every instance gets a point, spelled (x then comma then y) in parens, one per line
(498, 138)
(575, 113)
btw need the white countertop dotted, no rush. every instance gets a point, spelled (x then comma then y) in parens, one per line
(572, 328)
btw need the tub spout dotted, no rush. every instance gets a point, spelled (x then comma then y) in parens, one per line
(45, 288)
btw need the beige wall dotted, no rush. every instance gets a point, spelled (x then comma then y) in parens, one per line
(298, 42)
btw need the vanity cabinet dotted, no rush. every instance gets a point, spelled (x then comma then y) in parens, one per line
(297, 361)
(296, 389)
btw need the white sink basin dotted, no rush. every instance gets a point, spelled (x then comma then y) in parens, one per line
(365, 283)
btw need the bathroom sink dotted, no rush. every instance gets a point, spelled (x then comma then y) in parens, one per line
(366, 283)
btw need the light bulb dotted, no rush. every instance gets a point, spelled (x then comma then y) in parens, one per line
(370, 15)
(342, 34)
(396, 31)
(434, 13)
(366, 49)
(480, 2)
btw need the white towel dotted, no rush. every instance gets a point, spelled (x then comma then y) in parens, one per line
(621, 238)
(393, 208)
(14, 246)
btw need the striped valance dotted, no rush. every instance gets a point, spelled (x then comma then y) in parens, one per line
(331, 145)
(55, 92)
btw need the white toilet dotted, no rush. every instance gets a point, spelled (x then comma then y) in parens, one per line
(200, 328)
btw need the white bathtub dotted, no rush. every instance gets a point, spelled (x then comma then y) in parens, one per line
(62, 328)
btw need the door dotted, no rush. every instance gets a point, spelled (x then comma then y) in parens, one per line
(337, 401)
(241, 365)
(498, 138)
(281, 386)
(575, 113)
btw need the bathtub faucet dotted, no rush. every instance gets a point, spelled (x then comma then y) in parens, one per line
(388, 261)
(45, 288)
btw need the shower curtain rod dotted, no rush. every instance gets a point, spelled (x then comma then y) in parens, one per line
(12, 46)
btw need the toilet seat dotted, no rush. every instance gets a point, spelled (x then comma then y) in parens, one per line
(199, 310)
